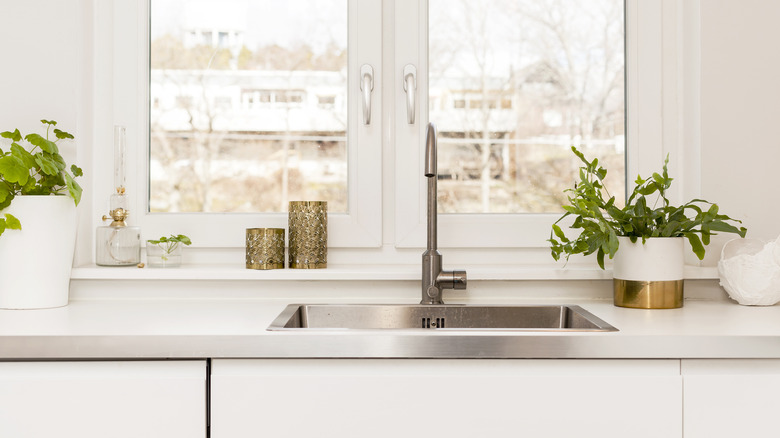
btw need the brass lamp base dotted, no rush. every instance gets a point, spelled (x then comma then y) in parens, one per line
(648, 294)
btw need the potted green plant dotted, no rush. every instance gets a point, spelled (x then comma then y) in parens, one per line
(165, 252)
(649, 231)
(38, 199)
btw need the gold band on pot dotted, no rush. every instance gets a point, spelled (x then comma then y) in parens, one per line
(308, 224)
(648, 294)
(265, 248)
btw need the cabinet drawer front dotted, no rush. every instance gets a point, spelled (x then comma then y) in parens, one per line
(729, 398)
(460, 398)
(165, 399)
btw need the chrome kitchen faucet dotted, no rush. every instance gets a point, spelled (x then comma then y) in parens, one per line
(434, 279)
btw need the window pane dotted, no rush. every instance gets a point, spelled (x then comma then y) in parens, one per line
(513, 84)
(248, 105)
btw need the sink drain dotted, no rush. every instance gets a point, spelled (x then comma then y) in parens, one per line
(432, 323)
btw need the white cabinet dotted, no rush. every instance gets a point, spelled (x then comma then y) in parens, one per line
(452, 398)
(103, 399)
(731, 398)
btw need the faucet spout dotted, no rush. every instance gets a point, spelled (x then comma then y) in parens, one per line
(430, 151)
(434, 279)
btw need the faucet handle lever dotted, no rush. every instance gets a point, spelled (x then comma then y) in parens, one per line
(452, 279)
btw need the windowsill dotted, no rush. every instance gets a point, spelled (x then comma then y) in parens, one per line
(365, 272)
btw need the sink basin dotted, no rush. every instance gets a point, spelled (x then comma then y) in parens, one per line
(437, 317)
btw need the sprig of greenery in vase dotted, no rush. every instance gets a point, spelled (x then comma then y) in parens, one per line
(37, 169)
(169, 244)
(600, 221)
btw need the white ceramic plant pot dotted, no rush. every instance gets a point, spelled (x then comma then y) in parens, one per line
(649, 275)
(35, 262)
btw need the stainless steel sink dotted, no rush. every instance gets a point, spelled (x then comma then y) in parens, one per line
(439, 317)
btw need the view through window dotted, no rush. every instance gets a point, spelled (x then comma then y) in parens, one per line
(248, 105)
(248, 102)
(513, 84)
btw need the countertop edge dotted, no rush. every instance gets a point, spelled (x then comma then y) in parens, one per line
(373, 346)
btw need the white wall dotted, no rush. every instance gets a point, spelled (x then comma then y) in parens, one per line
(40, 69)
(46, 71)
(45, 74)
(740, 111)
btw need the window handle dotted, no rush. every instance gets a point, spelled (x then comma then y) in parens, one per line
(366, 86)
(410, 86)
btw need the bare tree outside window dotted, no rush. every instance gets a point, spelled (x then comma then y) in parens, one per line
(514, 84)
(248, 111)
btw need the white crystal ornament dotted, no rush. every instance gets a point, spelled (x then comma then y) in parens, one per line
(749, 270)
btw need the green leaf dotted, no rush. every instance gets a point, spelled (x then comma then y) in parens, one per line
(76, 170)
(4, 192)
(14, 136)
(47, 166)
(45, 145)
(14, 170)
(49, 122)
(579, 155)
(698, 248)
(5, 204)
(556, 229)
(724, 227)
(12, 223)
(640, 207)
(612, 243)
(184, 239)
(57, 160)
(74, 189)
(62, 134)
(2, 226)
(22, 154)
(671, 229)
(647, 190)
(570, 209)
(600, 258)
(705, 235)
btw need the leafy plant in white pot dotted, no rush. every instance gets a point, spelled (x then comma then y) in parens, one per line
(38, 199)
(650, 232)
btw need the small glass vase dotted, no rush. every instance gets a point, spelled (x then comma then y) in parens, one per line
(164, 255)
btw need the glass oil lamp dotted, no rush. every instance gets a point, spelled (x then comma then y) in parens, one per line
(118, 244)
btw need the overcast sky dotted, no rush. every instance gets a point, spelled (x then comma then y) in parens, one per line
(264, 22)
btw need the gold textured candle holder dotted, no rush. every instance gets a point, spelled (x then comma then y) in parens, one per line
(308, 225)
(265, 248)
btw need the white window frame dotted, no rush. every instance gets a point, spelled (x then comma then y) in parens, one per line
(361, 226)
(662, 116)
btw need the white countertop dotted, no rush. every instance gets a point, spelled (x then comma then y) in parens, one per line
(203, 328)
